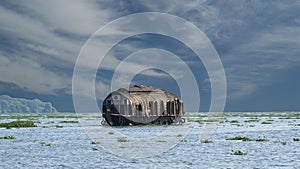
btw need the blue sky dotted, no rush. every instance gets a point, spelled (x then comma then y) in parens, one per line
(258, 43)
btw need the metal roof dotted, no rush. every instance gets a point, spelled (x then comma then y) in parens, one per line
(143, 94)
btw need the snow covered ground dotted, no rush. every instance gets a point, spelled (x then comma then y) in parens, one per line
(70, 142)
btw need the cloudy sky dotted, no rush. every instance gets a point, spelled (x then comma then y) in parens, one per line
(258, 43)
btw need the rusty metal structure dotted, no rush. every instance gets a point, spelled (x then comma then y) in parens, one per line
(142, 105)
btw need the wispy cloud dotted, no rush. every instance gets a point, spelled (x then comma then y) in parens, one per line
(31, 76)
(41, 31)
(254, 64)
(255, 39)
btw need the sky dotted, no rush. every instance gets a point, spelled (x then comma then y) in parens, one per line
(258, 43)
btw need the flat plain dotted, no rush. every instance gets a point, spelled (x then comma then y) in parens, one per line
(241, 140)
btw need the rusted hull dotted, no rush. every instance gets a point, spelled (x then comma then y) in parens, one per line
(120, 120)
(141, 105)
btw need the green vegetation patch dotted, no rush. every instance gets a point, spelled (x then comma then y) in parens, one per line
(95, 142)
(45, 144)
(266, 122)
(261, 139)
(283, 143)
(198, 121)
(58, 126)
(59, 116)
(62, 116)
(238, 152)
(8, 137)
(243, 138)
(211, 120)
(206, 141)
(234, 121)
(251, 120)
(237, 124)
(17, 124)
(69, 121)
(296, 139)
(94, 149)
(19, 117)
(122, 139)
(161, 141)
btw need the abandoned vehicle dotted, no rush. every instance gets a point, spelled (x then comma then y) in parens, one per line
(142, 105)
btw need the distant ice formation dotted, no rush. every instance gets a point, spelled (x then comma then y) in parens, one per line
(20, 105)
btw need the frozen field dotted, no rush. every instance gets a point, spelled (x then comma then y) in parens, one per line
(271, 141)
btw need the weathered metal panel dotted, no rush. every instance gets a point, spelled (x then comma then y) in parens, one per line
(143, 102)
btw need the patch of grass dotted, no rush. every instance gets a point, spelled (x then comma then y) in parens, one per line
(198, 121)
(45, 144)
(95, 142)
(65, 121)
(110, 133)
(21, 117)
(289, 117)
(251, 120)
(57, 116)
(58, 126)
(261, 139)
(63, 116)
(45, 127)
(122, 139)
(243, 138)
(296, 139)
(8, 137)
(237, 124)
(179, 135)
(283, 143)
(206, 141)
(266, 122)
(183, 140)
(211, 120)
(234, 121)
(251, 125)
(17, 124)
(238, 152)
(161, 141)
(94, 149)
(189, 120)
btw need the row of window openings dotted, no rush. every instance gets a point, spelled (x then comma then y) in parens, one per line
(138, 106)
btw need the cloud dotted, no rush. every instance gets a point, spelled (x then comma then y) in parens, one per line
(43, 49)
(255, 64)
(31, 76)
(77, 17)
(39, 32)
(255, 39)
